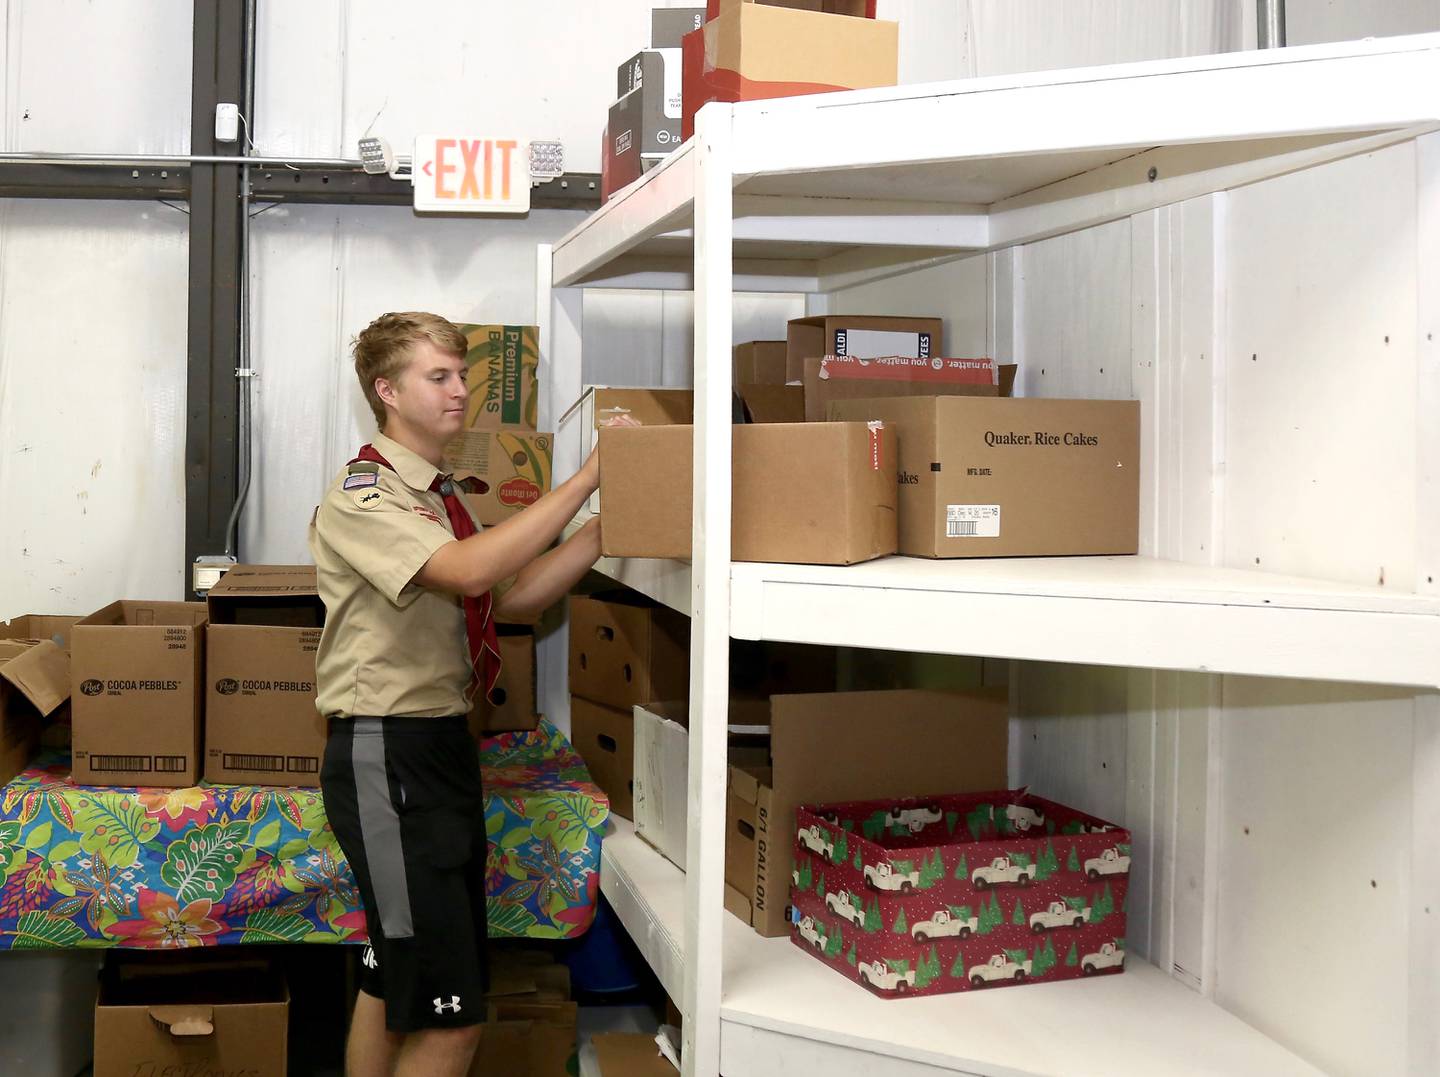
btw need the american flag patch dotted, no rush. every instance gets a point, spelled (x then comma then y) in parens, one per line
(356, 482)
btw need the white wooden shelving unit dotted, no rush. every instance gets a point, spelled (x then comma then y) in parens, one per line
(811, 195)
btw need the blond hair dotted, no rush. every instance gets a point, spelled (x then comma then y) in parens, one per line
(384, 347)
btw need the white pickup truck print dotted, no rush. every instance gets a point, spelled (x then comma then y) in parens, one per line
(885, 877)
(913, 819)
(1110, 862)
(943, 925)
(877, 974)
(1023, 818)
(999, 872)
(998, 967)
(1109, 957)
(1057, 915)
(816, 840)
(810, 932)
(846, 905)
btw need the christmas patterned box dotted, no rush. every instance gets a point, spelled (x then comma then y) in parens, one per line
(954, 893)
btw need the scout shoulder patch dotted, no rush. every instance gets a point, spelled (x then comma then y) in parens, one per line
(363, 467)
(359, 482)
(367, 499)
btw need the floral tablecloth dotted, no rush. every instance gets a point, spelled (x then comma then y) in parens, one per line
(224, 864)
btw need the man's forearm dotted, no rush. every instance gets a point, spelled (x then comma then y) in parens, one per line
(546, 580)
(473, 565)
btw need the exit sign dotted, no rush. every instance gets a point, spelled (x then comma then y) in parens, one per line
(457, 174)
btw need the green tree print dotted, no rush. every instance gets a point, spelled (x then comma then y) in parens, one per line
(842, 849)
(979, 820)
(1048, 863)
(901, 927)
(962, 870)
(1073, 864)
(1018, 917)
(872, 917)
(1072, 958)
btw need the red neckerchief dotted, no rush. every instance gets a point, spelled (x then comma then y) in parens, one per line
(480, 632)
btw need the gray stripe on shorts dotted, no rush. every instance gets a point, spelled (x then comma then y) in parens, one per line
(380, 830)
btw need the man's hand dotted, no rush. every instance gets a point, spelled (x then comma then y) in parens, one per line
(591, 468)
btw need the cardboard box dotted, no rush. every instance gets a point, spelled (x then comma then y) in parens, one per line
(773, 403)
(806, 493)
(862, 335)
(630, 1054)
(202, 1023)
(261, 725)
(633, 124)
(863, 9)
(845, 378)
(39, 626)
(503, 364)
(34, 683)
(669, 25)
(657, 73)
(502, 471)
(649, 407)
(530, 1029)
(888, 744)
(1000, 478)
(662, 766)
(515, 706)
(959, 893)
(137, 689)
(756, 51)
(605, 738)
(625, 650)
(760, 362)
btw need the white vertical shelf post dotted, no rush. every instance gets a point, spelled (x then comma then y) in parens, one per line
(558, 314)
(710, 594)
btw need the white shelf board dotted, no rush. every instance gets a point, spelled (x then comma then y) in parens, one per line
(1110, 611)
(835, 188)
(783, 1012)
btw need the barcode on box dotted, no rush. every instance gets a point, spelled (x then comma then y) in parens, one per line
(119, 762)
(271, 763)
(972, 521)
(303, 764)
(169, 764)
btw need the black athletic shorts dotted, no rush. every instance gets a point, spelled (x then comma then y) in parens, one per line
(403, 795)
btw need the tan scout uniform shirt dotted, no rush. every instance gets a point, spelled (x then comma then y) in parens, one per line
(390, 647)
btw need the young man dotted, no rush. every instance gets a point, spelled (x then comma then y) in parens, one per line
(407, 579)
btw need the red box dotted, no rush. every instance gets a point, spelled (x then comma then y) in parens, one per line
(954, 893)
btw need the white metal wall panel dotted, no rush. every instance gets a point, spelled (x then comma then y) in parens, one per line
(320, 275)
(92, 404)
(82, 77)
(1321, 352)
(1311, 22)
(1315, 870)
(1009, 36)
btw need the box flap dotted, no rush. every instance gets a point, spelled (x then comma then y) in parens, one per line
(773, 403)
(39, 626)
(133, 613)
(265, 581)
(630, 1054)
(40, 670)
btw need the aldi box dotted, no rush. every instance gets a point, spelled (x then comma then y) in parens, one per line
(605, 738)
(662, 766)
(598, 404)
(634, 132)
(1000, 478)
(501, 471)
(669, 25)
(655, 72)
(625, 650)
(261, 724)
(959, 893)
(755, 51)
(195, 1021)
(34, 683)
(888, 744)
(845, 377)
(863, 9)
(760, 362)
(805, 493)
(137, 690)
(503, 363)
(514, 707)
(861, 335)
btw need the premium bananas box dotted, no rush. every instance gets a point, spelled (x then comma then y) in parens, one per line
(501, 471)
(503, 363)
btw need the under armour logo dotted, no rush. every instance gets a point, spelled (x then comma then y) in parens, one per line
(368, 960)
(453, 1005)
